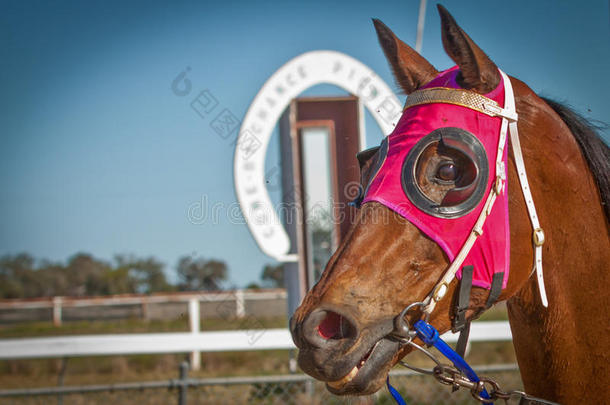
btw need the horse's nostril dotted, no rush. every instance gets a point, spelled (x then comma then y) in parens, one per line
(335, 326)
(330, 327)
(323, 327)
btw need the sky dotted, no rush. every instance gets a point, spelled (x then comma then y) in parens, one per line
(99, 155)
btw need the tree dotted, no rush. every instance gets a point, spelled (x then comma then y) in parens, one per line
(20, 278)
(200, 274)
(53, 276)
(144, 275)
(14, 270)
(273, 276)
(87, 275)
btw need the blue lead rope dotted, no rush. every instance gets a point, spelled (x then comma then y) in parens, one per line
(430, 336)
(394, 392)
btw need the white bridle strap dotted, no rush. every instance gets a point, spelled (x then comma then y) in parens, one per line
(538, 233)
(509, 123)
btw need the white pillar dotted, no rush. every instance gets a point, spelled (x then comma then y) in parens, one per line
(194, 322)
(240, 305)
(57, 311)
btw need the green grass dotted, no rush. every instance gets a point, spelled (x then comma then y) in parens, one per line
(249, 322)
(113, 369)
(37, 329)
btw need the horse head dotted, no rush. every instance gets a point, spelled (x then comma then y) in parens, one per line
(428, 182)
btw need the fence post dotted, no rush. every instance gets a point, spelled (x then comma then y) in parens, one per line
(194, 321)
(144, 309)
(60, 379)
(57, 311)
(183, 390)
(240, 305)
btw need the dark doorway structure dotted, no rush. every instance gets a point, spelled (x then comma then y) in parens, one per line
(319, 139)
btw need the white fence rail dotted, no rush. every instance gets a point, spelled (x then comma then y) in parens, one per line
(154, 343)
(237, 298)
(126, 299)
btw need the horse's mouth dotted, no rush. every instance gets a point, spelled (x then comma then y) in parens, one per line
(354, 371)
(368, 374)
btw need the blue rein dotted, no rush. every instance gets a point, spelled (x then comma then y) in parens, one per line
(430, 336)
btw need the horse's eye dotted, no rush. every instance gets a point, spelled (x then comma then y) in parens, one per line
(447, 172)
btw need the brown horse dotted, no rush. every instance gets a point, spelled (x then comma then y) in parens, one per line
(385, 262)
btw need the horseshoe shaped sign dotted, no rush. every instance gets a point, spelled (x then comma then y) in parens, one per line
(296, 76)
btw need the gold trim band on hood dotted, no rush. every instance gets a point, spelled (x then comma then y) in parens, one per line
(464, 98)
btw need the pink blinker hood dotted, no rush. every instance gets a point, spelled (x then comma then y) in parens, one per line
(490, 253)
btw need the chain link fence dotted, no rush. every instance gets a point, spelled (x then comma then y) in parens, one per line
(259, 390)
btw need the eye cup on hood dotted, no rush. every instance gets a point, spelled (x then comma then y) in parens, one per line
(434, 194)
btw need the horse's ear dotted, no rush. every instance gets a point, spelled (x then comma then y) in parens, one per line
(411, 70)
(477, 71)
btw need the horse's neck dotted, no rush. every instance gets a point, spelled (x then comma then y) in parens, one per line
(563, 350)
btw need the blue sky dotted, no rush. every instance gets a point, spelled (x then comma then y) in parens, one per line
(98, 154)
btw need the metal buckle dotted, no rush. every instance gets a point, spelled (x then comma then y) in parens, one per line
(495, 110)
(538, 237)
(492, 107)
(440, 291)
(498, 185)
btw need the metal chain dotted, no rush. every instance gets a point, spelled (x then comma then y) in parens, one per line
(451, 376)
